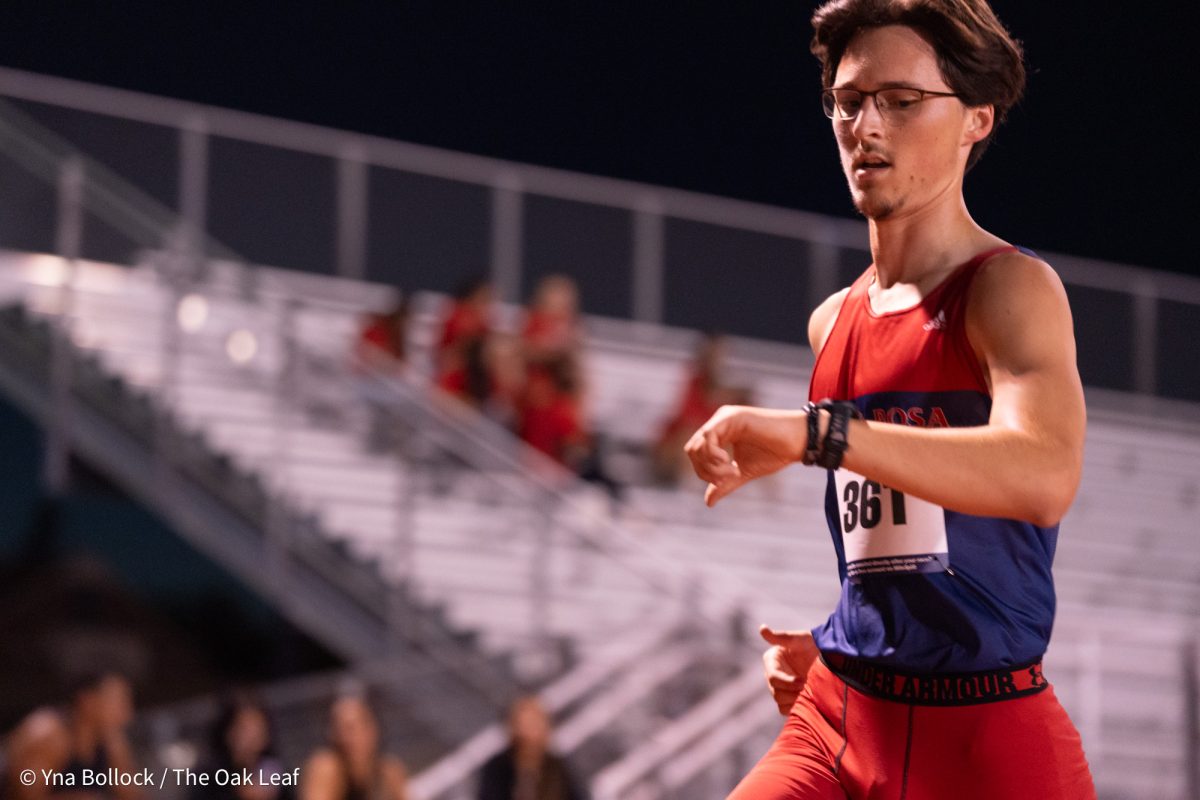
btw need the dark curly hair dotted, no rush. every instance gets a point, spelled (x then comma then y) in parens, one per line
(977, 56)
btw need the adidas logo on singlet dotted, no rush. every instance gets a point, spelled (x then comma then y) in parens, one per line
(938, 323)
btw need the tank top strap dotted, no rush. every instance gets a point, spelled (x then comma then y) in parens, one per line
(961, 279)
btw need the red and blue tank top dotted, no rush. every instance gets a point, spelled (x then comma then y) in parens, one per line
(925, 589)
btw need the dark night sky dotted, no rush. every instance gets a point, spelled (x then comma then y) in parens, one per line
(715, 97)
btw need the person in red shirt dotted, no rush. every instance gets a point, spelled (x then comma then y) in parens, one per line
(549, 414)
(488, 375)
(468, 319)
(383, 339)
(552, 328)
(551, 420)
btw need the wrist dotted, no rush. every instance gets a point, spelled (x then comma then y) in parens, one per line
(827, 426)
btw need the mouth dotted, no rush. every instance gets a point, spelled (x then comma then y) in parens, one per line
(870, 166)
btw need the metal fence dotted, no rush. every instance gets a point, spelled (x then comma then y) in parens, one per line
(334, 202)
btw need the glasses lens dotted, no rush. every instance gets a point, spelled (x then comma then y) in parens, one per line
(845, 102)
(828, 103)
(897, 100)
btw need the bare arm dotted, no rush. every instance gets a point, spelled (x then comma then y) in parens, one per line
(321, 778)
(395, 778)
(121, 755)
(1024, 464)
(41, 743)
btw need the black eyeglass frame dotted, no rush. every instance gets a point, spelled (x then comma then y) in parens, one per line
(832, 109)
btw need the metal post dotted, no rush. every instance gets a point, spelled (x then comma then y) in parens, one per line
(193, 190)
(352, 177)
(648, 262)
(68, 240)
(170, 364)
(539, 580)
(279, 521)
(1091, 696)
(1191, 705)
(507, 234)
(401, 623)
(1145, 337)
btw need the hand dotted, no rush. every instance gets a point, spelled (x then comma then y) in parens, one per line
(762, 441)
(786, 664)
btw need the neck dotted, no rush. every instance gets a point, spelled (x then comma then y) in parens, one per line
(360, 763)
(529, 756)
(910, 246)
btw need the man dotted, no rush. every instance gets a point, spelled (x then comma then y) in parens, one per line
(957, 349)
(87, 738)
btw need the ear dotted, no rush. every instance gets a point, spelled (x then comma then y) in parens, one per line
(980, 120)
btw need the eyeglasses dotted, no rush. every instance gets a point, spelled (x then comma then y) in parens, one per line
(895, 104)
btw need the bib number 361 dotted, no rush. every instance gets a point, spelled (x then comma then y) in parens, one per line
(887, 531)
(862, 502)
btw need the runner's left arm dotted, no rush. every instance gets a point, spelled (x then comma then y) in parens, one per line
(1023, 464)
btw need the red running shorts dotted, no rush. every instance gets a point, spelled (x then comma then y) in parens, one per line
(966, 741)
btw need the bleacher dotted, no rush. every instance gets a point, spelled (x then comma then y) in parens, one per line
(468, 544)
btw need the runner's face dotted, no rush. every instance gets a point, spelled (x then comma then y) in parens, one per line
(918, 158)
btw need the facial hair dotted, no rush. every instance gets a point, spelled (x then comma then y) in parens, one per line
(878, 211)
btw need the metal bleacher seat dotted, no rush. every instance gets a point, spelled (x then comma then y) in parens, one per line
(471, 540)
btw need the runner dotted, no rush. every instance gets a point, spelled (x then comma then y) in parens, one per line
(951, 425)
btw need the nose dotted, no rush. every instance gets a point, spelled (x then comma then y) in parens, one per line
(869, 120)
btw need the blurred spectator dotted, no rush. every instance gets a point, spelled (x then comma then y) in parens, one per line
(242, 738)
(353, 766)
(89, 734)
(468, 320)
(551, 419)
(527, 770)
(490, 377)
(550, 414)
(552, 328)
(705, 390)
(382, 340)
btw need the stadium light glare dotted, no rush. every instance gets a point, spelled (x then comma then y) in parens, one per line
(191, 313)
(241, 346)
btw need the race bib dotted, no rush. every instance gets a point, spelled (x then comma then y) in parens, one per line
(887, 531)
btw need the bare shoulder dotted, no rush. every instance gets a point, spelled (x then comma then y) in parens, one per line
(1017, 314)
(823, 317)
(1012, 288)
(1015, 276)
(40, 741)
(43, 726)
(322, 759)
(321, 776)
(395, 777)
(323, 768)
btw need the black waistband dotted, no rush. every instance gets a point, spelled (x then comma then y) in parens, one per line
(946, 689)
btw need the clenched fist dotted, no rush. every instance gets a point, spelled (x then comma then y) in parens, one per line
(786, 663)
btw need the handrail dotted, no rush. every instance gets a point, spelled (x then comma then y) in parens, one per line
(107, 194)
(424, 160)
(496, 173)
(684, 747)
(610, 783)
(454, 768)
